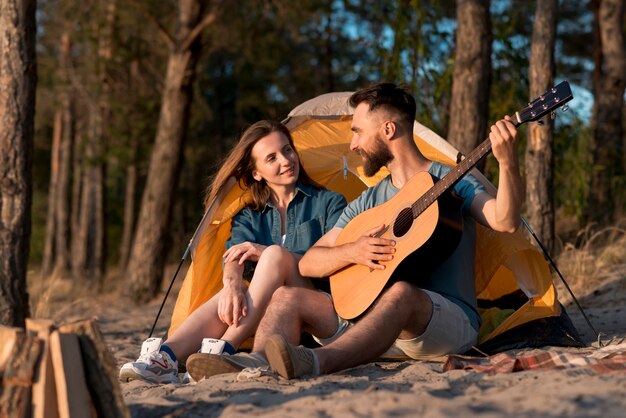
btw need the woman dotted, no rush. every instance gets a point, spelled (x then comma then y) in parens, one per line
(288, 214)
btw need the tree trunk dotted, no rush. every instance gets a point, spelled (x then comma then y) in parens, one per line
(18, 72)
(145, 267)
(129, 207)
(609, 82)
(132, 177)
(48, 249)
(76, 245)
(62, 209)
(92, 231)
(471, 79)
(57, 219)
(539, 159)
(90, 237)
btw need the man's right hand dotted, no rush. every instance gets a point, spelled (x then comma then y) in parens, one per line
(369, 250)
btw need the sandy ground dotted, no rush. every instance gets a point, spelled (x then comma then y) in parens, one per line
(400, 389)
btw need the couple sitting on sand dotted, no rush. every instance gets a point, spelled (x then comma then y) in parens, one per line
(289, 235)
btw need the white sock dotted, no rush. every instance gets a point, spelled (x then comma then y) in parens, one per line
(316, 363)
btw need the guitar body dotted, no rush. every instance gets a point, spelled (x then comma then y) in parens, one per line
(422, 244)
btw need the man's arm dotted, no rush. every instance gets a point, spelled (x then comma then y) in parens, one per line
(325, 258)
(502, 213)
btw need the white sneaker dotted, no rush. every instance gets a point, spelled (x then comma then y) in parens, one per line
(153, 365)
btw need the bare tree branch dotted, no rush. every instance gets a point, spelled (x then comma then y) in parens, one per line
(207, 20)
(169, 40)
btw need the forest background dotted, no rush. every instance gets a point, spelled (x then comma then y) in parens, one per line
(137, 102)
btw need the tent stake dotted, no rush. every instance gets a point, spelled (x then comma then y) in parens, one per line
(553, 263)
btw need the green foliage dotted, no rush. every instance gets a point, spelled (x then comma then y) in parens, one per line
(572, 157)
(410, 42)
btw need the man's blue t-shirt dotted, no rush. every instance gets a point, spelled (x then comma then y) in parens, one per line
(454, 278)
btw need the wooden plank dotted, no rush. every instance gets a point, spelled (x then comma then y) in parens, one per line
(8, 336)
(72, 395)
(44, 388)
(100, 369)
(15, 396)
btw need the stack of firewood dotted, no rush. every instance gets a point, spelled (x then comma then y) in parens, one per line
(66, 371)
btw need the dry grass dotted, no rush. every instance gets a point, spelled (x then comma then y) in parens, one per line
(56, 295)
(60, 297)
(597, 261)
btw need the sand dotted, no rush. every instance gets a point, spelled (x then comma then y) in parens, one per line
(399, 389)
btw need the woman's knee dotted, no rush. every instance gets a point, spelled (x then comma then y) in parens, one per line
(278, 265)
(274, 254)
(276, 258)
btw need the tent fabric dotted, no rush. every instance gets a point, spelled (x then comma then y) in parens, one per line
(506, 264)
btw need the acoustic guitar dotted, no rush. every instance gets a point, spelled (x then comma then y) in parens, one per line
(424, 219)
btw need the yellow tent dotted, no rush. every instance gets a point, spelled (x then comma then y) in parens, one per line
(513, 282)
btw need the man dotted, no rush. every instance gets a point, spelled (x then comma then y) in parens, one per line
(437, 317)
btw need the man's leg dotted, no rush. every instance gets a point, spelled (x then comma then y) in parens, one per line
(293, 310)
(403, 310)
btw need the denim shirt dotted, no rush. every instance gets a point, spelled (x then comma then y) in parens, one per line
(310, 214)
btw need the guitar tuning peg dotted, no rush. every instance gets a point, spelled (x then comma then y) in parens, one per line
(564, 108)
(552, 115)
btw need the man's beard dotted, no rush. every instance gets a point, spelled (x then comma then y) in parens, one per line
(381, 156)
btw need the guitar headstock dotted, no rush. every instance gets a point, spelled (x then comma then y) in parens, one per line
(544, 104)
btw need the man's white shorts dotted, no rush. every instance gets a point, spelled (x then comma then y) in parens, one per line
(448, 332)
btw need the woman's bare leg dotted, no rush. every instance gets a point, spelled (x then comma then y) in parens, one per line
(276, 267)
(203, 322)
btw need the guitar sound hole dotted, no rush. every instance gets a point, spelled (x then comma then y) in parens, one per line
(403, 222)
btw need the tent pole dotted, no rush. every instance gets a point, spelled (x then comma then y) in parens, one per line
(553, 263)
(168, 289)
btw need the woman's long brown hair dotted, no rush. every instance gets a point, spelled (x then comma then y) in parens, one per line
(240, 164)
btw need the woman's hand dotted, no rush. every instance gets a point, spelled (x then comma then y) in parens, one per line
(244, 251)
(233, 304)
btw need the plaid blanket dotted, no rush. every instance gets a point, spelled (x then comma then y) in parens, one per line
(609, 359)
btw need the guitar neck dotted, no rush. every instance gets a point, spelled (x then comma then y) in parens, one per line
(536, 109)
(452, 178)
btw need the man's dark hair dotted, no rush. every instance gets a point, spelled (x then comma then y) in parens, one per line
(390, 97)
